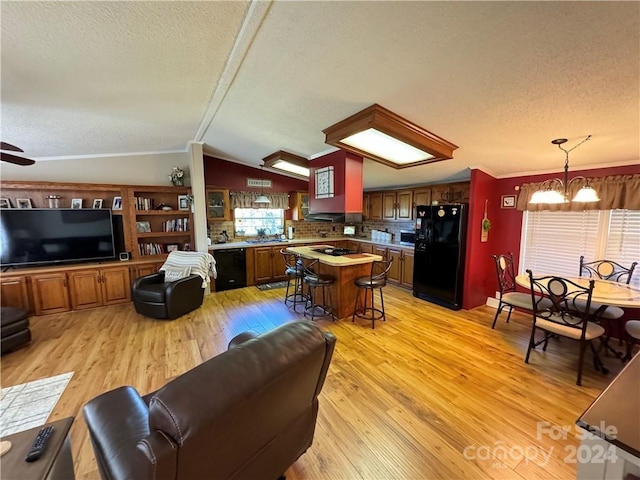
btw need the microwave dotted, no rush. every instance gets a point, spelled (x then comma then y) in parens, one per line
(407, 237)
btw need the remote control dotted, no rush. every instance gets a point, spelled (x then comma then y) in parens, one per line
(39, 444)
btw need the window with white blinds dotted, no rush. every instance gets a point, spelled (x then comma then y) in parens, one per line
(623, 240)
(552, 242)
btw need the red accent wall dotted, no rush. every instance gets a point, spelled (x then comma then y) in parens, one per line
(347, 181)
(224, 174)
(478, 279)
(504, 236)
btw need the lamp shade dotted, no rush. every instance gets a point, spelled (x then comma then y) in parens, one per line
(262, 199)
(586, 194)
(548, 197)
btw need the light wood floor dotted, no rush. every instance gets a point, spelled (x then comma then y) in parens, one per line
(430, 393)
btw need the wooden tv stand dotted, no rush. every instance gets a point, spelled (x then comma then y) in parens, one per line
(63, 288)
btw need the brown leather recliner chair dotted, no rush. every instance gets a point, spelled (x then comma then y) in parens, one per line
(153, 297)
(248, 413)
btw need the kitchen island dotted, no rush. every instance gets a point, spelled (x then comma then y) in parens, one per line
(345, 269)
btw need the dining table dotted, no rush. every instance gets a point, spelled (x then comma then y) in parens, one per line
(605, 292)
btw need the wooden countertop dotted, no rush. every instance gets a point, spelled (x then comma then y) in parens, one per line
(339, 261)
(614, 416)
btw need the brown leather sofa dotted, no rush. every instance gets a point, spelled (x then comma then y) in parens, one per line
(155, 298)
(248, 413)
(14, 327)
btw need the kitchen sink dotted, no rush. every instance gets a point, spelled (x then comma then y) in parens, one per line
(266, 240)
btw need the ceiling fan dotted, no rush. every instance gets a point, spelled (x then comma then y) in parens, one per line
(11, 158)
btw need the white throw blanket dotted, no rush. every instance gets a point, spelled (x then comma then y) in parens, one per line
(201, 263)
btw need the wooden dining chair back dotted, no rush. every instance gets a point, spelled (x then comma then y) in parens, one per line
(563, 307)
(509, 298)
(607, 270)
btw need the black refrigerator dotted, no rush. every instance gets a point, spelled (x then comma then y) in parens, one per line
(438, 274)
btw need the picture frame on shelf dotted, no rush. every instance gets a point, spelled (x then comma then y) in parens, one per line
(183, 202)
(97, 203)
(76, 203)
(24, 203)
(5, 203)
(143, 227)
(117, 203)
(508, 201)
(172, 248)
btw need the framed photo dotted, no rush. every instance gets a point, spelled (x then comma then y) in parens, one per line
(172, 248)
(508, 201)
(117, 203)
(24, 203)
(5, 203)
(97, 203)
(76, 203)
(183, 202)
(143, 227)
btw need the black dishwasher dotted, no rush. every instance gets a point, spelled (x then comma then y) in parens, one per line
(231, 265)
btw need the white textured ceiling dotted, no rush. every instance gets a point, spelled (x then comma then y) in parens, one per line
(498, 79)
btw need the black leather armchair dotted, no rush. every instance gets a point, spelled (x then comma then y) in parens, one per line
(248, 413)
(153, 297)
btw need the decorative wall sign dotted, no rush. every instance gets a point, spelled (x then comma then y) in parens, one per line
(324, 182)
(257, 182)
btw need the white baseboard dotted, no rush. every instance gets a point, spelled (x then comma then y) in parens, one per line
(492, 302)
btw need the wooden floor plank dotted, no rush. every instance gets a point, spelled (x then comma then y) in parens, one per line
(430, 393)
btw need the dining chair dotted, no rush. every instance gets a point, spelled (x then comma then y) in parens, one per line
(632, 328)
(564, 309)
(607, 270)
(613, 272)
(507, 285)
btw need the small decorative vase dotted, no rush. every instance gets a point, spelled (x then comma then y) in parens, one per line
(178, 182)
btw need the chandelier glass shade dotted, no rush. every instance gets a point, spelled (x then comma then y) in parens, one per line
(556, 190)
(262, 199)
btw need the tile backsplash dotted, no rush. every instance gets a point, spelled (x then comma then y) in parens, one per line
(319, 229)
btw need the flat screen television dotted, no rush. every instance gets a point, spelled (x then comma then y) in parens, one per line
(40, 236)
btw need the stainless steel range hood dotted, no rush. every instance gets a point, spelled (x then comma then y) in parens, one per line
(334, 217)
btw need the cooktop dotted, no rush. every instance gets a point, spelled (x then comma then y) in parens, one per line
(336, 252)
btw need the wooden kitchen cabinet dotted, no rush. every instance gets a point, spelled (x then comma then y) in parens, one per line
(421, 197)
(300, 208)
(406, 279)
(50, 293)
(14, 293)
(375, 206)
(218, 204)
(268, 264)
(97, 287)
(401, 271)
(397, 205)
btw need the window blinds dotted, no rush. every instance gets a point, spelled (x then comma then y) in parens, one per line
(623, 240)
(553, 241)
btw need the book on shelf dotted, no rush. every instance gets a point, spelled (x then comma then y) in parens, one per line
(144, 203)
(151, 248)
(176, 225)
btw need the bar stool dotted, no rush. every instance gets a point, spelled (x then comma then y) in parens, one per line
(294, 269)
(377, 280)
(313, 281)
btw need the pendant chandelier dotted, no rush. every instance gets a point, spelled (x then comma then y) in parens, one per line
(262, 199)
(556, 191)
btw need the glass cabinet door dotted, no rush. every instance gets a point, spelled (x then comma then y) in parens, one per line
(218, 204)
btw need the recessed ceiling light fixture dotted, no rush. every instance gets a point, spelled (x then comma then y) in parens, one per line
(288, 162)
(385, 137)
(557, 190)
